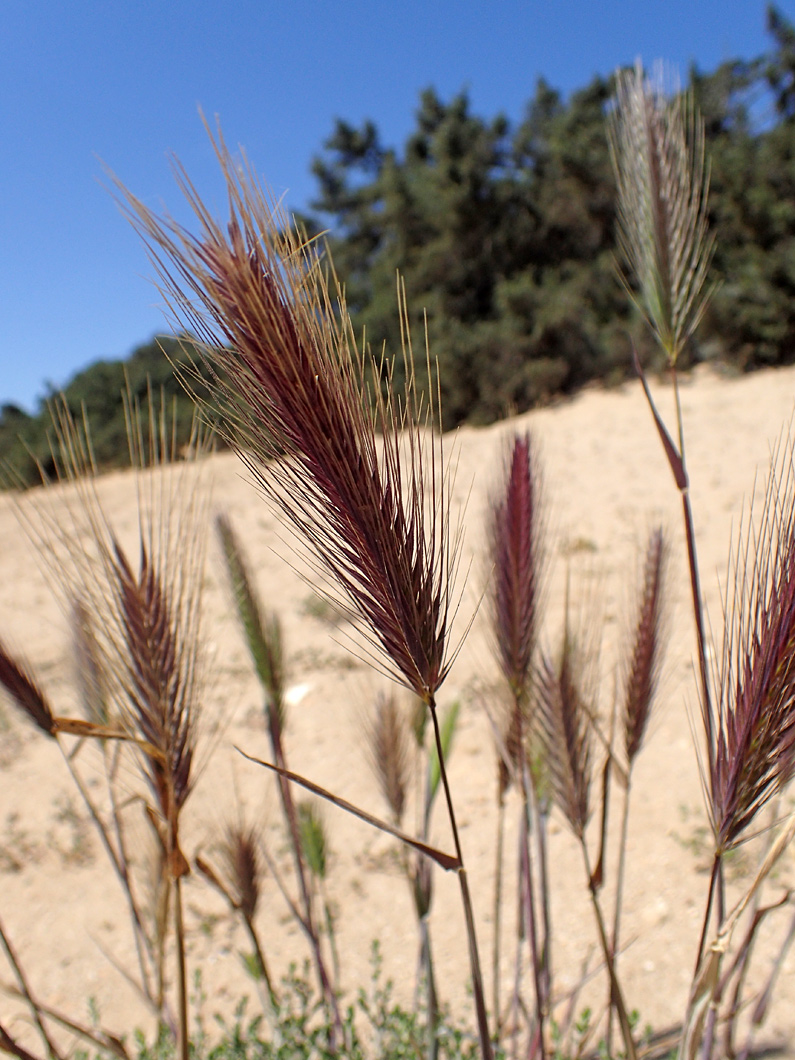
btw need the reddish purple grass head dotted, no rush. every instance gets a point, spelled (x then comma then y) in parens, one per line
(643, 669)
(563, 729)
(23, 690)
(515, 554)
(358, 479)
(755, 731)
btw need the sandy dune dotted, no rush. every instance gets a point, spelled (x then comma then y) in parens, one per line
(606, 483)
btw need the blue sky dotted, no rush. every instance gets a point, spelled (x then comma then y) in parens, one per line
(86, 82)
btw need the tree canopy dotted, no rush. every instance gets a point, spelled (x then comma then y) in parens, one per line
(504, 235)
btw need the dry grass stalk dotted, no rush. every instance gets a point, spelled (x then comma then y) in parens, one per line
(514, 538)
(262, 630)
(641, 680)
(240, 883)
(663, 182)
(658, 151)
(563, 724)
(144, 637)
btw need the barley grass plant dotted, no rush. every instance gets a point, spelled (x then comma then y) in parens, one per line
(515, 539)
(747, 702)
(356, 470)
(137, 641)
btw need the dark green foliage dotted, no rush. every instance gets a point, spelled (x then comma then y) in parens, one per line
(504, 239)
(505, 236)
(97, 390)
(376, 1028)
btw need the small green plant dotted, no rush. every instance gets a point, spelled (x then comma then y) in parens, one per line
(324, 610)
(72, 836)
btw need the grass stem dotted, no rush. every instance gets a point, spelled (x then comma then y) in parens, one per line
(621, 1009)
(23, 985)
(474, 958)
(183, 1038)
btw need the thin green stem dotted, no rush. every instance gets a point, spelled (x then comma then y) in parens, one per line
(288, 806)
(432, 1015)
(695, 582)
(679, 420)
(262, 965)
(540, 821)
(118, 861)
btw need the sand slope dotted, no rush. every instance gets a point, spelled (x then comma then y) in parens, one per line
(606, 482)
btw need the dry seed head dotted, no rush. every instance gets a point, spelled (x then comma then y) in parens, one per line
(755, 730)
(243, 866)
(515, 554)
(643, 669)
(514, 533)
(388, 738)
(262, 629)
(144, 617)
(23, 690)
(657, 146)
(157, 680)
(562, 736)
(360, 480)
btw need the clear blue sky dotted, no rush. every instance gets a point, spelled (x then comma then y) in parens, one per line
(121, 81)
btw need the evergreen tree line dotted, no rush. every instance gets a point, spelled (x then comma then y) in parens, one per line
(26, 449)
(504, 235)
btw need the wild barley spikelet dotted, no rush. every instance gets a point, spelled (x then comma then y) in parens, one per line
(361, 484)
(514, 533)
(515, 546)
(657, 145)
(643, 668)
(755, 727)
(262, 629)
(140, 646)
(23, 690)
(562, 729)
(388, 739)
